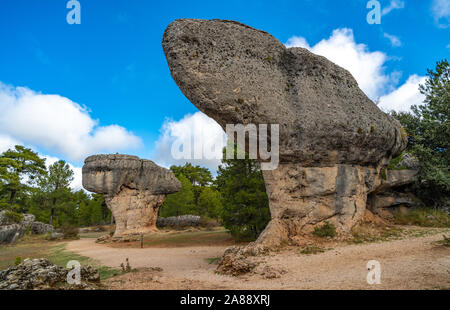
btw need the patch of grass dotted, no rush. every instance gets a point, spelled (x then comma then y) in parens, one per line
(370, 233)
(182, 239)
(425, 217)
(36, 246)
(212, 260)
(13, 217)
(60, 256)
(312, 249)
(445, 241)
(326, 230)
(33, 246)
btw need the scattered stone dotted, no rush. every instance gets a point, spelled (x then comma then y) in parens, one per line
(269, 272)
(39, 228)
(40, 273)
(179, 221)
(133, 188)
(55, 236)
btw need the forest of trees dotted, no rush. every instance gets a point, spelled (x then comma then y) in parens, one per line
(236, 198)
(27, 186)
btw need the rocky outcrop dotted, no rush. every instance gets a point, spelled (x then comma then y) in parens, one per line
(334, 140)
(133, 188)
(394, 192)
(179, 221)
(40, 273)
(39, 228)
(13, 231)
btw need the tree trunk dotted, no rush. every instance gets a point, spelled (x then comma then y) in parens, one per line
(11, 199)
(51, 216)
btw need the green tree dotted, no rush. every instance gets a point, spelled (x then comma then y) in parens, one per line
(199, 177)
(210, 202)
(181, 202)
(428, 128)
(56, 186)
(245, 206)
(20, 168)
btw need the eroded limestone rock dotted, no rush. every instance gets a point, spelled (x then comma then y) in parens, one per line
(394, 193)
(333, 139)
(133, 188)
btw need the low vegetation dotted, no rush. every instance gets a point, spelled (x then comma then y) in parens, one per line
(426, 217)
(312, 249)
(372, 233)
(326, 230)
(38, 247)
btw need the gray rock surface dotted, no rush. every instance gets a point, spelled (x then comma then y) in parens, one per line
(39, 228)
(179, 221)
(40, 273)
(11, 232)
(133, 188)
(108, 174)
(394, 191)
(239, 75)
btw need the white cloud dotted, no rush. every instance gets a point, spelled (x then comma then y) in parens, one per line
(405, 96)
(297, 42)
(197, 130)
(364, 65)
(58, 124)
(394, 5)
(6, 142)
(395, 41)
(440, 9)
(368, 69)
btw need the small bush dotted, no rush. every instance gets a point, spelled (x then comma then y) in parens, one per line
(425, 217)
(312, 249)
(69, 231)
(18, 261)
(13, 217)
(326, 230)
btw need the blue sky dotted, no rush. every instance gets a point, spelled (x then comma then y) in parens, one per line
(111, 69)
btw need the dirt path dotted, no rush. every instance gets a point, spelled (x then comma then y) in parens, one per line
(412, 263)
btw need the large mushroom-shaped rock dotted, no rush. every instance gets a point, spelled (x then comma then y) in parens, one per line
(333, 140)
(133, 188)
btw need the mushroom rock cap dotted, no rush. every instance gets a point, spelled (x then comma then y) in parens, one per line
(107, 174)
(239, 75)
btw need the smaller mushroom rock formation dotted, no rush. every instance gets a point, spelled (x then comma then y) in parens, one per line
(133, 188)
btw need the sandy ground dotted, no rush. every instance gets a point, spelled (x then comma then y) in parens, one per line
(412, 263)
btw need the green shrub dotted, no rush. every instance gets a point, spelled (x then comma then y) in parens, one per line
(69, 231)
(13, 217)
(18, 261)
(425, 217)
(326, 230)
